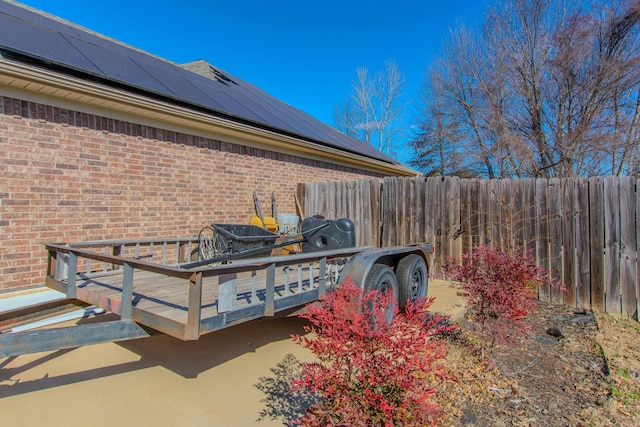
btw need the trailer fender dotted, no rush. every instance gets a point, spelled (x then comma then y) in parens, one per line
(359, 265)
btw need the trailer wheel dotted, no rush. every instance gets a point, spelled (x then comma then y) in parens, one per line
(381, 278)
(413, 279)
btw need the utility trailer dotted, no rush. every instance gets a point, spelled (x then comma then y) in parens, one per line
(145, 283)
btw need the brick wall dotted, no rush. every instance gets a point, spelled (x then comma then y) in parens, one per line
(71, 176)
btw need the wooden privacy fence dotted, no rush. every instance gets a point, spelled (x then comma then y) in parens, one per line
(583, 230)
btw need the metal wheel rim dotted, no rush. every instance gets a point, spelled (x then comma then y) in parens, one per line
(386, 286)
(416, 284)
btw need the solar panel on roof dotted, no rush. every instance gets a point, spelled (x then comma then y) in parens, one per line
(266, 114)
(41, 43)
(43, 38)
(27, 15)
(117, 67)
(292, 119)
(231, 105)
(178, 86)
(96, 40)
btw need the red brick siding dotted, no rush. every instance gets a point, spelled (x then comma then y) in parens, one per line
(72, 176)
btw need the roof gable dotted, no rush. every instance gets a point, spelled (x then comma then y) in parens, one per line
(51, 42)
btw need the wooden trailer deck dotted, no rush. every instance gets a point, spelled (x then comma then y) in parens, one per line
(142, 281)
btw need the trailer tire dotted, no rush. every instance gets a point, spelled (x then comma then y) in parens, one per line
(381, 278)
(413, 279)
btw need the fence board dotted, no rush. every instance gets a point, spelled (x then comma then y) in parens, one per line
(430, 212)
(465, 214)
(411, 208)
(376, 212)
(584, 231)
(384, 206)
(485, 218)
(596, 229)
(542, 234)
(340, 205)
(437, 223)
(453, 206)
(582, 244)
(628, 246)
(555, 237)
(316, 204)
(357, 203)
(638, 250)
(445, 221)
(406, 197)
(303, 199)
(516, 236)
(495, 217)
(612, 244)
(398, 230)
(400, 223)
(348, 203)
(321, 206)
(568, 242)
(474, 215)
(333, 188)
(529, 208)
(388, 212)
(505, 224)
(352, 206)
(306, 200)
(416, 229)
(344, 205)
(363, 211)
(420, 208)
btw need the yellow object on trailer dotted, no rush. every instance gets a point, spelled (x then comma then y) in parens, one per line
(269, 224)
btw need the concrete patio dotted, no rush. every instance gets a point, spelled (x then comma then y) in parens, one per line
(161, 381)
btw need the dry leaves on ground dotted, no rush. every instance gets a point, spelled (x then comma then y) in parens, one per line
(587, 376)
(547, 380)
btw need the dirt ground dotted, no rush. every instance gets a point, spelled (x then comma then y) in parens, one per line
(586, 376)
(586, 373)
(238, 377)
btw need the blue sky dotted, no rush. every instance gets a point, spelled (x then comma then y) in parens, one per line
(304, 53)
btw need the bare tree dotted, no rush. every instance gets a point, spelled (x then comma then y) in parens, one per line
(346, 118)
(374, 111)
(453, 87)
(548, 88)
(436, 143)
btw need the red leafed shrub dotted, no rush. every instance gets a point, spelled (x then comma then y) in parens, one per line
(371, 371)
(501, 289)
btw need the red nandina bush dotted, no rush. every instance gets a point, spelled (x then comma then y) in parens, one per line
(501, 289)
(371, 371)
